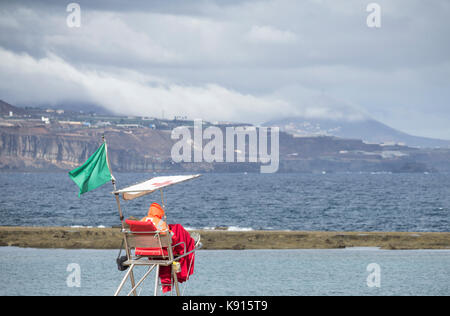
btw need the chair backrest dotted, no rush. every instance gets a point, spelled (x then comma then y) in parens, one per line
(144, 235)
(147, 240)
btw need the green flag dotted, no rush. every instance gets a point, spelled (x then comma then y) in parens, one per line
(93, 173)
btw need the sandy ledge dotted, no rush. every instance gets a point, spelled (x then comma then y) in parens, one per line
(111, 238)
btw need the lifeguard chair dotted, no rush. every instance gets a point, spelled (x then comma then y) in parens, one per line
(145, 245)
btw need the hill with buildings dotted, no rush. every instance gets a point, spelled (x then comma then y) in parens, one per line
(37, 139)
(368, 130)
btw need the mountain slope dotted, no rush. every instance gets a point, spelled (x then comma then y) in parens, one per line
(368, 130)
(5, 108)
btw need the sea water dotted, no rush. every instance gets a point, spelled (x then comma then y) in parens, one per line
(325, 202)
(235, 272)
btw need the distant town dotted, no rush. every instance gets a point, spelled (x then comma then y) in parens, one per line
(40, 139)
(59, 119)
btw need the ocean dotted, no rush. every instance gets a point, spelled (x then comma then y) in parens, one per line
(238, 201)
(327, 202)
(236, 272)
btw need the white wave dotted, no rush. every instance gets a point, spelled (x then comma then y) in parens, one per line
(239, 229)
(220, 228)
(80, 226)
(229, 228)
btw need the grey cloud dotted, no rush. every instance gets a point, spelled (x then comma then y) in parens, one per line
(248, 50)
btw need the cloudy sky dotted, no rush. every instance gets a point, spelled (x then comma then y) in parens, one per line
(246, 61)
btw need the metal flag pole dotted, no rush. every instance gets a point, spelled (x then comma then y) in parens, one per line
(116, 195)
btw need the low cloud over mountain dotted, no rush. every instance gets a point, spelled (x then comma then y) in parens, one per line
(246, 61)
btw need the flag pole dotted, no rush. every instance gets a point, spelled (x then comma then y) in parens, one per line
(113, 181)
(116, 195)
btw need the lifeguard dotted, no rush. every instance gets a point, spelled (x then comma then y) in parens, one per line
(155, 215)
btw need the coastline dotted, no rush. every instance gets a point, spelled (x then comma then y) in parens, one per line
(111, 238)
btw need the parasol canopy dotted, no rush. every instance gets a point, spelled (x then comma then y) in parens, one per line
(149, 186)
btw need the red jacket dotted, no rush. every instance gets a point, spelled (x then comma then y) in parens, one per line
(187, 263)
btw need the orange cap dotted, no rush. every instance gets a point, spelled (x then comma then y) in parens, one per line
(155, 210)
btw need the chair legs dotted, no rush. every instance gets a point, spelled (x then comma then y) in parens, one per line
(156, 280)
(150, 269)
(175, 281)
(130, 271)
(130, 275)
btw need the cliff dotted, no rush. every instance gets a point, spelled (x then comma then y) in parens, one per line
(39, 147)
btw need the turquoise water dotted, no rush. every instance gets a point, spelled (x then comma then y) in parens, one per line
(240, 272)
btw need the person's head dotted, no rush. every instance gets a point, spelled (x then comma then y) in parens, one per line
(156, 210)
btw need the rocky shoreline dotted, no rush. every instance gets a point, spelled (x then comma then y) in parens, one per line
(111, 238)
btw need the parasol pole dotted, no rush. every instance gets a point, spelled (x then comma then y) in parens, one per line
(116, 195)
